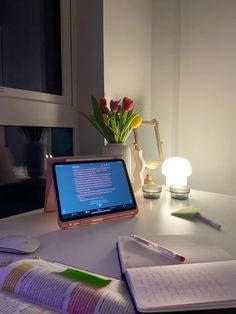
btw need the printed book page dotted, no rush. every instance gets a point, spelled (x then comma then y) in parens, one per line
(10, 305)
(195, 249)
(184, 286)
(63, 289)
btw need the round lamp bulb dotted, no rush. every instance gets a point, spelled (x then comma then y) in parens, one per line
(176, 170)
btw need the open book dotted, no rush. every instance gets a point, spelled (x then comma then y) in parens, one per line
(36, 287)
(158, 284)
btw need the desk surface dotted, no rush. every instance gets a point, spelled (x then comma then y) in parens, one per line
(93, 247)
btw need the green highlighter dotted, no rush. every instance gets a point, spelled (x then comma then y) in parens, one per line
(193, 213)
(84, 277)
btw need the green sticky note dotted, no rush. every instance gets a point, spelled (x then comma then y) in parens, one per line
(186, 213)
(84, 277)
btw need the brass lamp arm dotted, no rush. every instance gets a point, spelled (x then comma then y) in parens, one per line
(140, 163)
(138, 145)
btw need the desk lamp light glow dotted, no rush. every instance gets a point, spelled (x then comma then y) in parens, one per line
(177, 170)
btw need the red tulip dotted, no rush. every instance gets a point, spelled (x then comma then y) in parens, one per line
(114, 105)
(105, 109)
(127, 104)
(103, 101)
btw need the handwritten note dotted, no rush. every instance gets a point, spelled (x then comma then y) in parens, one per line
(183, 286)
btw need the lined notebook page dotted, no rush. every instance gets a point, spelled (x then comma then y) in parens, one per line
(187, 286)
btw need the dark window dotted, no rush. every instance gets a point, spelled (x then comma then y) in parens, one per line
(30, 45)
(23, 153)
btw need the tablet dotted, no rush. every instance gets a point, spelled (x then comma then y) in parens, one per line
(89, 191)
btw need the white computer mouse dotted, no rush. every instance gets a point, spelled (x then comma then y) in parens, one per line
(19, 244)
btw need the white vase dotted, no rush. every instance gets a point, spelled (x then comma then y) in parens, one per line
(119, 150)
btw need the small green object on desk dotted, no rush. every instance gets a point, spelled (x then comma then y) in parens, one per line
(186, 213)
(193, 213)
(84, 277)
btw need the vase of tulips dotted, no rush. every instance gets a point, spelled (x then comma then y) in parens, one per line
(115, 122)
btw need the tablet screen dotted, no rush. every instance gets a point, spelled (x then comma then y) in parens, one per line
(92, 188)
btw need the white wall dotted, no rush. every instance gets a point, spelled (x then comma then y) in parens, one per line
(193, 45)
(165, 70)
(176, 58)
(127, 51)
(207, 107)
(165, 74)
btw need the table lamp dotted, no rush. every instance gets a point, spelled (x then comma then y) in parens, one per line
(177, 170)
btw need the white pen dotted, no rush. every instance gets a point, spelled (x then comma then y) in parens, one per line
(208, 221)
(158, 248)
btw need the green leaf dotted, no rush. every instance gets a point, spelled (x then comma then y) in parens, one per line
(92, 120)
(98, 117)
(128, 122)
(123, 115)
(97, 111)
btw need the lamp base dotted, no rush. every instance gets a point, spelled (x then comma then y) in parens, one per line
(151, 189)
(180, 192)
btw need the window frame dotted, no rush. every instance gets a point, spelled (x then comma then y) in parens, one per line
(66, 97)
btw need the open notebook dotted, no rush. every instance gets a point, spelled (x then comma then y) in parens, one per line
(209, 285)
(158, 284)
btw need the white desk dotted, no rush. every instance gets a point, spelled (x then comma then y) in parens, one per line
(93, 247)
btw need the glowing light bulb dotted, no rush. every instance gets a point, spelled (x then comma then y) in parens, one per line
(176, 170)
